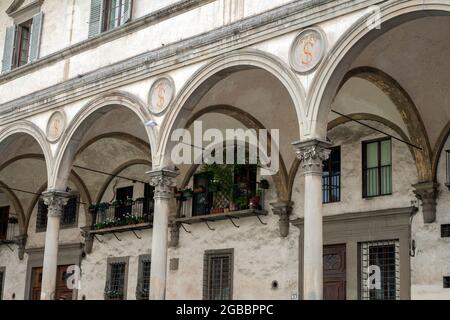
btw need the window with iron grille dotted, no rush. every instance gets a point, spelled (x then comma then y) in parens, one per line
(331, 177)
(377, 168)
(143, 284)
(218, 275)
(2, 280)
(445, 230)
(384, 257)
(68, 219)
(116, 283)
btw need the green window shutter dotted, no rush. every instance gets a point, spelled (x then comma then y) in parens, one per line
(95, 18)
(8, 50)
(128, 7)
(35, 40)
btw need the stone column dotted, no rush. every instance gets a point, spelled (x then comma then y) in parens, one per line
(311, 154)
(55, 200)
(163, 181)
(284, 210)
(427, 193)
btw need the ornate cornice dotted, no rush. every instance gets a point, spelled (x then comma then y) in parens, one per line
(163, 181)
(55, 200)
(311, 154)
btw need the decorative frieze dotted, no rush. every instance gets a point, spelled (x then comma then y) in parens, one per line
(55, 200)
(311, 154)
(164, 181)
(427, 193)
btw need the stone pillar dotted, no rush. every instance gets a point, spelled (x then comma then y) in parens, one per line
(284, 210)
(427, 193)
(55, 200)
(163, 181)
(311, 154)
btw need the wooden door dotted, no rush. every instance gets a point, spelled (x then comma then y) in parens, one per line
(4, 215)
(61, 292)
(334, 272)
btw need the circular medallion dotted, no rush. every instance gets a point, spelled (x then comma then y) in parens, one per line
(308, 50)
(161, 95)
(55, 126)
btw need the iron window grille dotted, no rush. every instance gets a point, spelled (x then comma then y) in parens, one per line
(218, 275)
(377, 168)
(445, 230)
(69, 218)
(386, 256)
(115, 285)
(143, 284)
(447, 166)
(331, 177)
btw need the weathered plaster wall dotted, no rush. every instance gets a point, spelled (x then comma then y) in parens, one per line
(15, 272)
(431, 263)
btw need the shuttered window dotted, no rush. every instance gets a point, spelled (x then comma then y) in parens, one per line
(22, 43)
(68, 219)
(218, 275)
(108, 14)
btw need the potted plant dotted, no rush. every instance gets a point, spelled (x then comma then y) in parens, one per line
(241, 202)
(254, 202)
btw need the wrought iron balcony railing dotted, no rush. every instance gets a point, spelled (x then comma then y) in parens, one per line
(118, 214)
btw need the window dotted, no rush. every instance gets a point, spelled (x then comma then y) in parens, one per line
(446, 281)
(143, 284)
(377, 168)
(116, 282)
(69, 218)
(4, 220)
(22, 42)
(331, 177)
(108, 14)
(218, 275)
(124, 205)
(382, 256)
(2, 281)
(445, 230)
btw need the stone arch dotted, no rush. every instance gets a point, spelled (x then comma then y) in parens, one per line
(118, 170)
(250, 122)
(210, 74)
(331, 73)
(84, 119)
(28, 128)
(12, 198)
(408, 111)
(440, 144)
(342, 120)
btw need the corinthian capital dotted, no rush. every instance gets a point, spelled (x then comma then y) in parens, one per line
(55, 200)
(163, 181)
(312, 153)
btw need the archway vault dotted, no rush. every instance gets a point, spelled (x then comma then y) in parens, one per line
(209, 75)
(280, 178)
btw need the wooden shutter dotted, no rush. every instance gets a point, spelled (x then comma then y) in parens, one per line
(128, 7)
(35, 40)
(96, 18)
(8, 50)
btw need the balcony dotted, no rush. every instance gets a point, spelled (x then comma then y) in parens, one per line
(9, 232)
(122, 216)
(218, 203)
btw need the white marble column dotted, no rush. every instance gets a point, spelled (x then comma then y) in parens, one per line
(311, 154)
(163, 181)
(55, 200)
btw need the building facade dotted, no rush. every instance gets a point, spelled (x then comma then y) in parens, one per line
(93, 205)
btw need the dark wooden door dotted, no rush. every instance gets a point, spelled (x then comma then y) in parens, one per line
(122, 195)
(334, 272)
(4, 215)
(62, 292)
